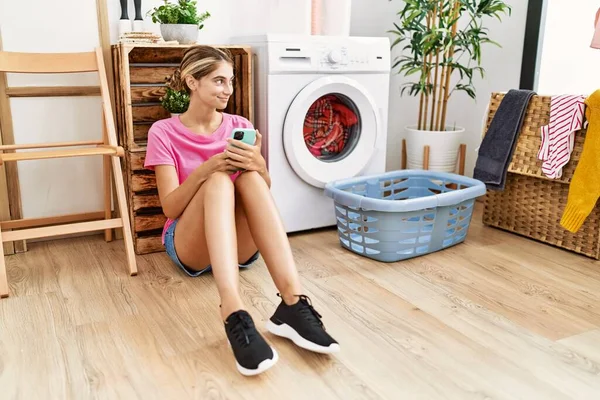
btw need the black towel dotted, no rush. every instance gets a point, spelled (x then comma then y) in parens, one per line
(499, 142)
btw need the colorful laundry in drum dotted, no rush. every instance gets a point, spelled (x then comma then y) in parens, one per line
(327, 126)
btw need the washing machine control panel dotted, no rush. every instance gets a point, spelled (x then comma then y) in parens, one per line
(343, 58)
(330, 55)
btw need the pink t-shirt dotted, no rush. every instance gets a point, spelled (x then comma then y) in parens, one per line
(172, 143)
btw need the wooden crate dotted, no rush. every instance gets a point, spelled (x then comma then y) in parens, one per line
(140, 72)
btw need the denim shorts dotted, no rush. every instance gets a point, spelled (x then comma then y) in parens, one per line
(170, 247)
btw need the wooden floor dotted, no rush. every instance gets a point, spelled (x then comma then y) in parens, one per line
(497, 317)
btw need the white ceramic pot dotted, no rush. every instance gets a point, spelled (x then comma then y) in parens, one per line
(175, 114)
(443, 148)
(183, 33)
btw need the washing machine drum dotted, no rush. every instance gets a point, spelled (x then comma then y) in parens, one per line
(330, 130)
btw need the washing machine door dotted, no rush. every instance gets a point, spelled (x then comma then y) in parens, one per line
(330, 130)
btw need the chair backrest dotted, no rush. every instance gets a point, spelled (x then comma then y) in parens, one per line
(51, 63)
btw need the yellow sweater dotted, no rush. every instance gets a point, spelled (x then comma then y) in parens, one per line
(585, 185)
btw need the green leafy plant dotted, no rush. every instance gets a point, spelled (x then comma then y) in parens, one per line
(175, 101)
(182, 12)
(436, 47)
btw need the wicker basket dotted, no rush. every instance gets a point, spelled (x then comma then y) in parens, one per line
(531, 204)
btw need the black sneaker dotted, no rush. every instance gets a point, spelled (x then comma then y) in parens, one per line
(301, 323)
(252, 353)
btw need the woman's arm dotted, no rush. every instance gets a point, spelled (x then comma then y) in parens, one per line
(174, 197)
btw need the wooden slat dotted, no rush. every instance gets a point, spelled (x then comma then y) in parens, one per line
(149, 222)
(237, 98)
(40, 155)
(138, 148)
(149, 244)
(140, 132)
(8, 247)
(246, 89)
(141, 53)
(53, 91)
(150, 75)
(149, 113)
(107, 184)
(125, 82)
(111, 136)
(59, 219)
(51, 63)
(146, 201)
(137, 161)
(140, 183)
(150, 94)
(49, 145)
(104, 36)
(165, 54)
(462, 153)
(118, 97)
(12, 175)
(62, 230)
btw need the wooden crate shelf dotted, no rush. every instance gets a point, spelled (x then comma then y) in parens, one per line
(140, 73)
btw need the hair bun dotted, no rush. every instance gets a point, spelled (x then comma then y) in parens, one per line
(175, 82)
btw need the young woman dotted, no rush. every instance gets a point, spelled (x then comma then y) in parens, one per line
(215, 193)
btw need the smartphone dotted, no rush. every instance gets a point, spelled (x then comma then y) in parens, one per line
(245, 135)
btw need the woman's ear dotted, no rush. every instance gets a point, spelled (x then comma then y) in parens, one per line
(191, 82)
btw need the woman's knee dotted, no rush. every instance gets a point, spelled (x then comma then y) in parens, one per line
(248, 177)
(219, 183)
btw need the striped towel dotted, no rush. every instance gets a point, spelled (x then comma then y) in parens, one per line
(558, 137)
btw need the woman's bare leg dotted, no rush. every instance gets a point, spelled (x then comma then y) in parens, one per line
(246, 246)
(207, 227)
(269, 234)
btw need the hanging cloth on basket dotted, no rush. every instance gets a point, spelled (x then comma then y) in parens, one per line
(558, 137)
(584, 188)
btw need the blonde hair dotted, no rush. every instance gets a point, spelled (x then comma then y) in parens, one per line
(198, 61)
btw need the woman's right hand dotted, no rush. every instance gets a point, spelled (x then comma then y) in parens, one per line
(218, 163)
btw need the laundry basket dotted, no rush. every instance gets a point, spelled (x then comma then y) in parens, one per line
(403, 214)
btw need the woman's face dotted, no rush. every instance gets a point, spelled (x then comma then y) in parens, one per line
(215, 88)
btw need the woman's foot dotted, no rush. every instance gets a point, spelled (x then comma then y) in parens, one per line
(252, 353)
(301, 323)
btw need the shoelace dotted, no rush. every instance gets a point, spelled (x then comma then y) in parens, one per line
(308, 311)
(242, 329)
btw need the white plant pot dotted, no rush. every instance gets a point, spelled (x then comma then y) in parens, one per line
(124, 26)
(183, 33)
(443, 148)
(175, 114)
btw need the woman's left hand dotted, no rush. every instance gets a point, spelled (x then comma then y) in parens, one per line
(245, 156)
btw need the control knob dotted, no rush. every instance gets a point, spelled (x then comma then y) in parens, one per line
(335, 56)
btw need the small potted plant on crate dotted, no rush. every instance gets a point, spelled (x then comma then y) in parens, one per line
(436, 48)
(175, 101)
(179, 21)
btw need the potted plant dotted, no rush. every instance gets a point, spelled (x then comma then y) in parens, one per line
(179, 21)
(175, 101)
(436, 47)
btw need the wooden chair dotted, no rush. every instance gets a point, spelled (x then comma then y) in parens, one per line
(52, 63)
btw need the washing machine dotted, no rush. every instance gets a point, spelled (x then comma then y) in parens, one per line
(321, 104)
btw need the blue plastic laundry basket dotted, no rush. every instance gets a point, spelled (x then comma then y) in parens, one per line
(403, 214)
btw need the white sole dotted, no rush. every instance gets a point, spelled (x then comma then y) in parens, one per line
(262, 367)
(286, 331)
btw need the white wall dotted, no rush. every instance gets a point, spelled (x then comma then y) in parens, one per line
(74, 185)
(568, 65)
